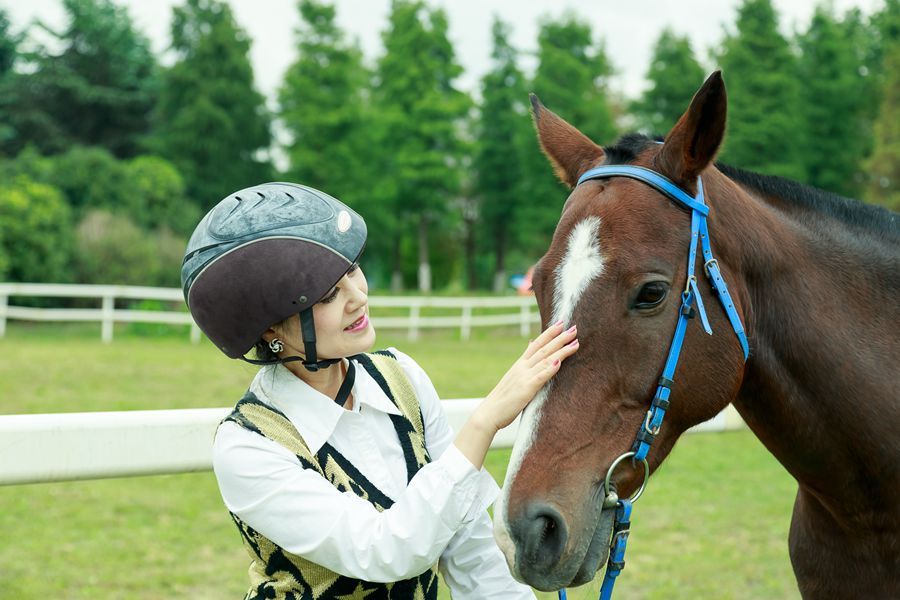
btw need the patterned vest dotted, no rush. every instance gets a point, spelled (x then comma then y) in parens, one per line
(278, 574)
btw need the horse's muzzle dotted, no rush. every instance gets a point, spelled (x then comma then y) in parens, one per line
(543, 560)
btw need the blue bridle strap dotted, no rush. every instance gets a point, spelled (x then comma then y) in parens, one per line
(690, 298)
(651, 178)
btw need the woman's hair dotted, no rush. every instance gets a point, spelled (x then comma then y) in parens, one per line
(263, 352)
(261, 347)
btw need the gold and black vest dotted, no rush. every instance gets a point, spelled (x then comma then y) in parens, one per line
(278, 574)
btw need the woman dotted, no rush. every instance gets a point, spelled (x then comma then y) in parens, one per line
(338, 466)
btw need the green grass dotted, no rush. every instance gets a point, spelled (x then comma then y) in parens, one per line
(713, 523)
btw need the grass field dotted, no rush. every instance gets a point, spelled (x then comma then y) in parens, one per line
(713, 523)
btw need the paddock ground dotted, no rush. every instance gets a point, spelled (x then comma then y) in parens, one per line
(713, 523)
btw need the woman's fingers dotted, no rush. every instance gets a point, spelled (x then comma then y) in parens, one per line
(541, 340)
(552, 344)
(545, 369)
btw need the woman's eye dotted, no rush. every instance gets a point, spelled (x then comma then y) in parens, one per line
(651, 294)
(353, 268)
(329, 297)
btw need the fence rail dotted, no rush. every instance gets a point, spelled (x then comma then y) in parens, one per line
(97, 445)
(523, 310)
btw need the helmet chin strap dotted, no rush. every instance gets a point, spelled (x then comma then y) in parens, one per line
(308, 338)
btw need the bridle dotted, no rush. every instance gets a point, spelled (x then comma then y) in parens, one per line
(691, 304)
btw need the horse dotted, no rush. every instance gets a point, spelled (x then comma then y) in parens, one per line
(814, 283)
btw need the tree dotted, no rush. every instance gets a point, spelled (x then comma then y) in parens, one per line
(156, 197)
(420, 112)
(97, 89)
(674, 75)
(835, 93)
(571, 80)
(883, 166)
(90, 178)
(322, 107)
(211, 122)
(9, 45)
(36, 226)
(504, 133)
(763, 95)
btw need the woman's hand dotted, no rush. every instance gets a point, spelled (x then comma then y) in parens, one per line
(541, 361)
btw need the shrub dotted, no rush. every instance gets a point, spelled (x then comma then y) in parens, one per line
(36, 226)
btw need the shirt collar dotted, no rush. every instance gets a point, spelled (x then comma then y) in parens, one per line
(314, 414)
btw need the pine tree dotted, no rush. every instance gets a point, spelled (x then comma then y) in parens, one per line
(571, 80)
(94, 85)
(764, 122)
(835, 93)
(211, 122)
(322, 107)
(674, 75)
(420, 111)
(503, 134)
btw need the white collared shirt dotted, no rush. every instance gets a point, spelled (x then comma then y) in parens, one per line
(438, 516)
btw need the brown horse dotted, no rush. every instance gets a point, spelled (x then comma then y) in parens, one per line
(815, 279)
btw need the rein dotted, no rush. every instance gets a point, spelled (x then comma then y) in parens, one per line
(691, 304)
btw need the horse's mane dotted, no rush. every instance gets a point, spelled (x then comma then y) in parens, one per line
(852, 212)
(846, 210)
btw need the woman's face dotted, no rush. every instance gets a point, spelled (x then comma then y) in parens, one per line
(342, 318)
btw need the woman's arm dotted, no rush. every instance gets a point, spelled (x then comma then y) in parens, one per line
(262, 483)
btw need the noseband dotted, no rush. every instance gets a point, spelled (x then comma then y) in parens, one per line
(691, 304)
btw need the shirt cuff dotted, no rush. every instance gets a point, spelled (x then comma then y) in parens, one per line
(480, 489)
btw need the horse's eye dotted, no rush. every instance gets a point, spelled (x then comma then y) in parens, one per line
(651, 294)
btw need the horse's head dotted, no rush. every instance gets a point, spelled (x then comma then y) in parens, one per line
(616, 267)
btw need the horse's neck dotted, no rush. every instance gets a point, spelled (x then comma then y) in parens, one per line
(820, 390)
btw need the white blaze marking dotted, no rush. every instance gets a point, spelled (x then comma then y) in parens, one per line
(581, 265)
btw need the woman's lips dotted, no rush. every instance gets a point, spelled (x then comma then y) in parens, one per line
(358, 325)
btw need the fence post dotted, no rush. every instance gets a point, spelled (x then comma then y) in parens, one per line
(465, 330)
(525, 321)
(195, 333)
(106, 332)
(4, 302)
(413, 323)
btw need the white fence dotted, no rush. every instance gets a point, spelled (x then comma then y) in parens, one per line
(523, 310)
(97, 445)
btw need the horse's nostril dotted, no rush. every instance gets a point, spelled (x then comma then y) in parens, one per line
(543, 535)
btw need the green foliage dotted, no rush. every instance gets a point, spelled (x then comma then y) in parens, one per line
(835, 93)
(674, 76)
(883, 166)
(156, 195)
(571, 80)
(765, 132)
(94, 84)
(418, 112)
(9, 45)
(322, 106)
(504, 134)
(91, 178)
(210, 121)
(111, 249)
(36, 231)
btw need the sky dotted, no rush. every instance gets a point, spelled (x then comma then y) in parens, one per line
(627, 29)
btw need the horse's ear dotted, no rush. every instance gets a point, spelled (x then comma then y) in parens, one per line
(692, 144)
(570, 152)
